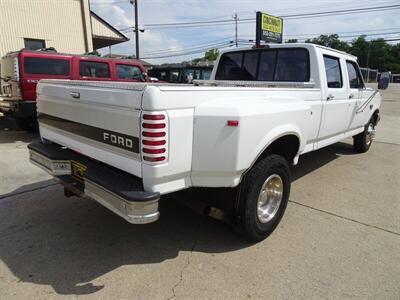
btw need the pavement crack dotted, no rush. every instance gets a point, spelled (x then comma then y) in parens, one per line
(188, 261)
(345, 218)
(26, 191)
(386, 143)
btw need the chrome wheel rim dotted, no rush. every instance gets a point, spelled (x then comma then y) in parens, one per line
(270, 198)
(370, 134)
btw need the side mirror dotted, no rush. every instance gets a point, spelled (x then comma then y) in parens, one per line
(384, 81)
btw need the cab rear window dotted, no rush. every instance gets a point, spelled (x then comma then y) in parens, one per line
(46, 66)
(291, 65)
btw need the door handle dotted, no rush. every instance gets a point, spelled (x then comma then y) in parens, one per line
(330, 97)
(351, 96)
(75, 95)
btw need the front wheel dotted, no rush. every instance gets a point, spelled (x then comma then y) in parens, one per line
(264, 197)
(362, 141)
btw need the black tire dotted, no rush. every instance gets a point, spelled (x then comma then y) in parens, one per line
(250, 225)
(362, 141)
(28, 124)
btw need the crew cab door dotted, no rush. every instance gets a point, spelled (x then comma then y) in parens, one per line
(336, 104)
(356, 88)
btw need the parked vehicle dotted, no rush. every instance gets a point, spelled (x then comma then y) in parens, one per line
(178, 73)
(21, 71)
(236, 134)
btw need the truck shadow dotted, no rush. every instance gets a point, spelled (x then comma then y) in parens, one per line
(48, 239)
(312, 161)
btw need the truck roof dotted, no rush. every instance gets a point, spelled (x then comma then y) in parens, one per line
(292, 45)
(50, 52)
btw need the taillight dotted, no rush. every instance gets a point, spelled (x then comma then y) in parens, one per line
(154, 159)
(153, 143)
(153, 134)
(153, 151)
(153, 126)
(153, 117)
(154, 137)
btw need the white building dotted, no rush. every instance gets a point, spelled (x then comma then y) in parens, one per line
(67, 25)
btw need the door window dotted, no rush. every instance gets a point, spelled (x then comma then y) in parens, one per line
(333, 72)
(94, 69)
(128, 72)
(355, 80)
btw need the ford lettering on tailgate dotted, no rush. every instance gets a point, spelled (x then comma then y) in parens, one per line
(120, 140)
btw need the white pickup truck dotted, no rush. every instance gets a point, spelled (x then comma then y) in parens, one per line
(126, 144)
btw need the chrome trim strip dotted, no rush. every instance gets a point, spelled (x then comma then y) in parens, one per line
(243, 83)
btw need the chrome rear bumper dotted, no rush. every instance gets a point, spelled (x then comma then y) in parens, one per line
(118, 191)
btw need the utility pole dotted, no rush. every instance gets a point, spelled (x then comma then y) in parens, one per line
(235, 17)
(369, 45)
(136, 29)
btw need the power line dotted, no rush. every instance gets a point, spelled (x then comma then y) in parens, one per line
(292, 16)
(241, 44)
(203, 44)
(344, 32)
(203, 47)
(243, 39)
(188, 53)
(184, 52)
(356, 35)
(302, 36)
(345, 11)
(252, 20)
(389, 39)
(172, 51)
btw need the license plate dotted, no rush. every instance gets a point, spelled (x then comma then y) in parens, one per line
(78, 171)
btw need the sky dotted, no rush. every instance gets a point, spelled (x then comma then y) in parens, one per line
(171, 42)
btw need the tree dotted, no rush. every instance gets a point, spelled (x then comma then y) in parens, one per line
(211, 54)
(331, 41)
(375, 54)
(291, 41)
(360, 47)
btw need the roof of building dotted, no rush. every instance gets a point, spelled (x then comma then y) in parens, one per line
(104, 34)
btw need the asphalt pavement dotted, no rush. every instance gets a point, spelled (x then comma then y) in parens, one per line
(339, 238)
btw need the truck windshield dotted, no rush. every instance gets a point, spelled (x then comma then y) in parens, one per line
(291, 65)
(46, 66)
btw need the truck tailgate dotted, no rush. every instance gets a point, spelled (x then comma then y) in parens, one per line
(96, 119)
